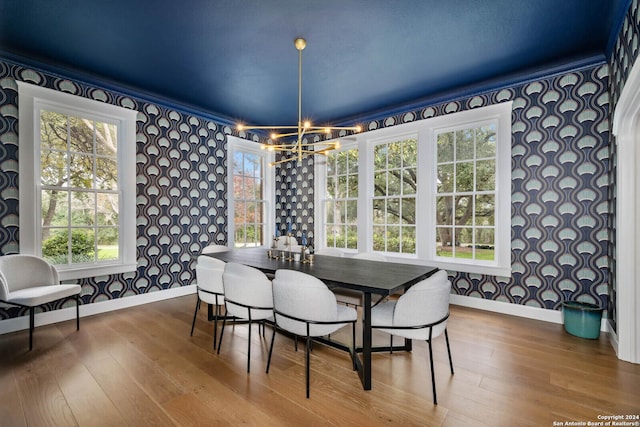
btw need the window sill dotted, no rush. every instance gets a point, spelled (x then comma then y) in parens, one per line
(70, 273)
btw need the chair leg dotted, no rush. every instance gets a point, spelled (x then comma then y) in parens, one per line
(215, 326)
(446, 337)
(353, 344)
(433, 377)
(193, 324)
(249, 345)
(273, 339)
(77, 312)
(224, 322)
(307, 362)
(31, 325)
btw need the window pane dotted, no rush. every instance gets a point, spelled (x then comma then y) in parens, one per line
(408, 210)
(81, 135)
(54, 168)
(409, 184)
(410, 153)
(380, 157)
(485, 210)
(445, 178)
(463, 243)
(353, 161)
(55, 245)
(464, 177)
(341, 163)
(464, 210)
(444, 210)
(486, 141)
(340, 236)
(394, 184)
(53, 130)
(352, 237)
(331, 187)
(394, 157)
(106, 174)
(352, 186)
(108, 248)
(485, 244)
(393, 239)
(445, 147)
(329, 212)
(83, 210)
(239, 215)
(379, 238)
(380, 184)
(55, 208)
(485, 175)
(409, 240)
(464, 144)
(444, 237)
(342, 186)
(81, 171)
(393, 211)
(331, 164)
(83, 244)
(331, 240)
(352, 211)
(106, 139)
(379, 211)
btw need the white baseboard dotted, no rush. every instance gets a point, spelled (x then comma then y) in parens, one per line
(69, 313)
(553, 316)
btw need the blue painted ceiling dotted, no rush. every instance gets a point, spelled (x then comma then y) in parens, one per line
(235, 59)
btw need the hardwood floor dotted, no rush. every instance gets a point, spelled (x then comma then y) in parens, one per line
(139, 366)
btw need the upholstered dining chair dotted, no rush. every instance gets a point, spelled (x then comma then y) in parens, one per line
(212, 249)
(210, 289)
(421, 314)
(305, 307)
(29, 281)
(355, 298)
(248, 295)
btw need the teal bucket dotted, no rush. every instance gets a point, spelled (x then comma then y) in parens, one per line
(582, 319)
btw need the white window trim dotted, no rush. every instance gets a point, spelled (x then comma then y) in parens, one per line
(238, 144)
(425, 208)
(32, 98)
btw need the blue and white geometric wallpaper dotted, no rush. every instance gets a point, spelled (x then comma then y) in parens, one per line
(560, 181)
(563, 184)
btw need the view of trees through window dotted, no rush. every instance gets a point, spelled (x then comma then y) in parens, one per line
(248, 195)
(79, 189)
(466, 193)
(341, 201)
(394, 196)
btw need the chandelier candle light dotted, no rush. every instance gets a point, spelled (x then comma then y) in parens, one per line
(303, 128)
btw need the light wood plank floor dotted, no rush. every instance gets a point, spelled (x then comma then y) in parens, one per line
(139, 367)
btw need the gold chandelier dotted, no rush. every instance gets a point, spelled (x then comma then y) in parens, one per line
(303, 128)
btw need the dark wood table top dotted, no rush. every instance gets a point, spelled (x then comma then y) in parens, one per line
(376, 277)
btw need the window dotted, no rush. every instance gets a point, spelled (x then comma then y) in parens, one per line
(466, 192)
(434, 191)
(341, 200)
(251, 184)
(79, 157)
(394, 196)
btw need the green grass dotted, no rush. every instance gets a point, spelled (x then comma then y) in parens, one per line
(466, 253)
(108, 252)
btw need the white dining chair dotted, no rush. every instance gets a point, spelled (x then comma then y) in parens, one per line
(248, 296)
(29, 281)
(210, 289)
(421, 314)
(355, 298)
(305, 307)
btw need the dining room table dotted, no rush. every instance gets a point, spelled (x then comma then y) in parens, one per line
(373, 278)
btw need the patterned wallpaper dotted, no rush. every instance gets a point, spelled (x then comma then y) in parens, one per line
(561, 180)
(181, 187)
(624, 55)
(560, 183)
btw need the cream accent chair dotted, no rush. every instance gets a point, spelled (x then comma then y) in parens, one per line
(421, 314)
(355, 298)
(29, 281)
(304, 306)
(248, 295)
(209, 272)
